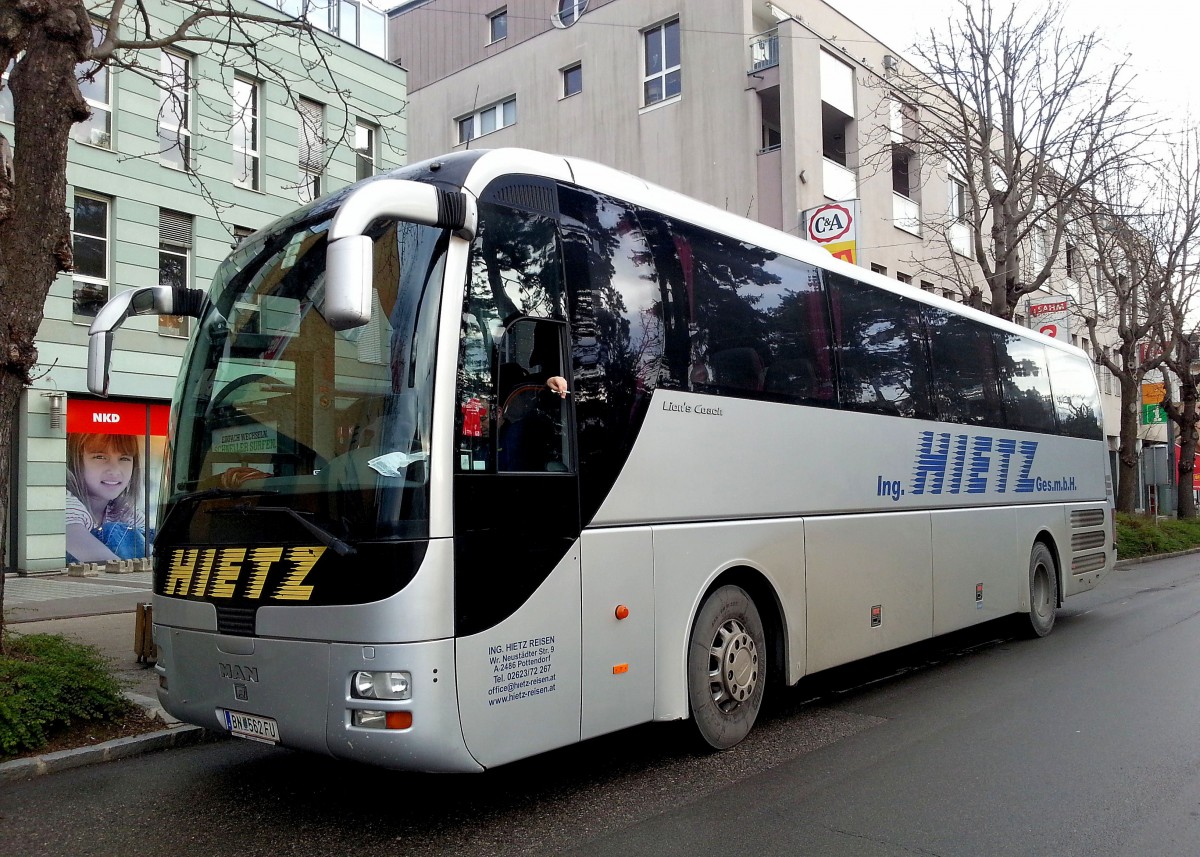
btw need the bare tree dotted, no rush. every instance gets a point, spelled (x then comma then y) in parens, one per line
(49, 48)
(1121, 301)
(1177, 243)
(1024, 117)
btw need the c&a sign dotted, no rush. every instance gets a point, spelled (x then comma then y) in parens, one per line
(835, 227)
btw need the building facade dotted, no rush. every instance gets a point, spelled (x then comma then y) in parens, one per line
(261, 142)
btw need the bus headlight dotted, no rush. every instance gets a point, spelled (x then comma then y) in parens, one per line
(381, 685)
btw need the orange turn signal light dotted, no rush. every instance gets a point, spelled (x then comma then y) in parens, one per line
(622, 611)
(399, 719)
(618, 669)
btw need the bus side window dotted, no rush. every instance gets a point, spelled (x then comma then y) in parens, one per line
(531, 434)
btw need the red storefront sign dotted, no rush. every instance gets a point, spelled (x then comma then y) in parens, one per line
(112, 417)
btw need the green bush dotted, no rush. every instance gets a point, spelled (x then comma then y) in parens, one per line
(1138, 535)
(47, 682)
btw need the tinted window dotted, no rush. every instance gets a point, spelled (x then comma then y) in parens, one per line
(963, 369)
(883, 366)
(1025, 383)
(1076, 397)
(618, 332)
(515, 271)
(746, 321)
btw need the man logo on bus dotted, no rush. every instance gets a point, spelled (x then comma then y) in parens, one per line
(829, 223)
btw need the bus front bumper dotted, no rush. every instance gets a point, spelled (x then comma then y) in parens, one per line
(304, 694)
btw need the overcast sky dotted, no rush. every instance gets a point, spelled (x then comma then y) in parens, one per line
(1159, 35)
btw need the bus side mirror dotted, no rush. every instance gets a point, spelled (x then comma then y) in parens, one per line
(149, 300)
(349, 257)
(349, 264)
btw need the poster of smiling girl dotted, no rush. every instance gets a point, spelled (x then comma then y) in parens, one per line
(109, 493)
(104, 518)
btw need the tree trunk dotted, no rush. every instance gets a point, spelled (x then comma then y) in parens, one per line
(1186, 506)
(1127, 453)
(34, 227)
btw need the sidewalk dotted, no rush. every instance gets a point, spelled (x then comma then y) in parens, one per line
(99, 611)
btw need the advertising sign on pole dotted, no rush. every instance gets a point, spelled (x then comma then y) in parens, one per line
(1051, 316)
(1152, 409)
(835, 227)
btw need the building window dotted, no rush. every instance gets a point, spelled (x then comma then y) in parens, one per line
(174, 112)
(903, 120)
(569, 11)
(174, 253)
(93, 79)
(364, 149)
(498, 26)
(240, 234)
(904, 278)
(487, 120)
(245, 132)
(926, 286)
(958, 200)
(837, 109)
(572, 80)
(662, 70)
(1072, 261)
(879, 269)
(6, 102)
(312, 149)
(89, 244)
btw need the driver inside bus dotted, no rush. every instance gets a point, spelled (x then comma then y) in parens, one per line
(529, 425)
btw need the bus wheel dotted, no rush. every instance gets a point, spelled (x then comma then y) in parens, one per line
(1043, 591)
(727, 667)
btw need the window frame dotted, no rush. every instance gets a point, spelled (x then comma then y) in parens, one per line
(500, 18)
(569, 12)
(498, 109)
(660, 75)
(180, 97)
(106, 243)
(566, 72)
(175, 325)
(104, 107)
(367, 156)
(310, 153)
(252, 153)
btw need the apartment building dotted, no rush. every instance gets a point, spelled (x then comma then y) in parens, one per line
(767, 109)
(260, 148)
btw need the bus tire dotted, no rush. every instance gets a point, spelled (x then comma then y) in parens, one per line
(727, 667)
(1043, 590)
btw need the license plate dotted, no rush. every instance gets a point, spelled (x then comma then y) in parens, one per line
(251, 726)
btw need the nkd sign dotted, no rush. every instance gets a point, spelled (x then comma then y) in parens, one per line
(835, 227)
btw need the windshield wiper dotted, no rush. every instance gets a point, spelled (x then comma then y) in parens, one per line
(320, 533)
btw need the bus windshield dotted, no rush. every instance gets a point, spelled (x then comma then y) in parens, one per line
(288, 428)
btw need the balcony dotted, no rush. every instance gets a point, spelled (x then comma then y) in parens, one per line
(906, 214)
(837, 182)
(764, 51)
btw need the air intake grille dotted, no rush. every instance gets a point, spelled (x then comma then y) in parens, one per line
(236, 621)
(533, 197)
(1082, 518)
(1084, 564)
(1087, 541)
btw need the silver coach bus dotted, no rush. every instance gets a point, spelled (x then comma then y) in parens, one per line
(383, 537)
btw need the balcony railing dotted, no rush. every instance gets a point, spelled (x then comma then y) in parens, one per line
(764, 51)
(906, 214)
(837, 182)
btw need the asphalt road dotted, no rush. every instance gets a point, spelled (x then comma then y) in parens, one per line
(1084, 743)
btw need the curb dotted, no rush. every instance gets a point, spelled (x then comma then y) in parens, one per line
(175, 734)
(1138, 560)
